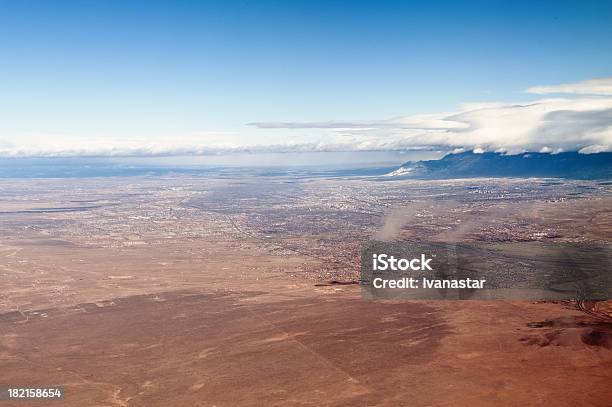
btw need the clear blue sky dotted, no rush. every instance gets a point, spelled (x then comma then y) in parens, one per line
(158, 68)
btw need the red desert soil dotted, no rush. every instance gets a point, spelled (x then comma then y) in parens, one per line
(121, 328)
(321, 347)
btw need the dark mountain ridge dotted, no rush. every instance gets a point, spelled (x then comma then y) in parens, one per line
(471, 165)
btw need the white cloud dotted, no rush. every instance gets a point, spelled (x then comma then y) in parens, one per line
(580, 121)
(575, 123)
(601, 86)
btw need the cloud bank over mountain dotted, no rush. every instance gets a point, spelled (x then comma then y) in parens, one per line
(567, 117)
(577, 118)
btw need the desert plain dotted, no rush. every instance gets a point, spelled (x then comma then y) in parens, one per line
(243, 291)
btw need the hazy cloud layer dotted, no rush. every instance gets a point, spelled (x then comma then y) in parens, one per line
(52, 145)
(580, 120)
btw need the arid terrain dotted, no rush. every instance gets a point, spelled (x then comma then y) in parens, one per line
(227, 291)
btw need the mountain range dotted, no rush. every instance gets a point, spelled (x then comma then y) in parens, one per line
(471, 165)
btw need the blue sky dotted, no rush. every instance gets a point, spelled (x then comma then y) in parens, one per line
(123, 74)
